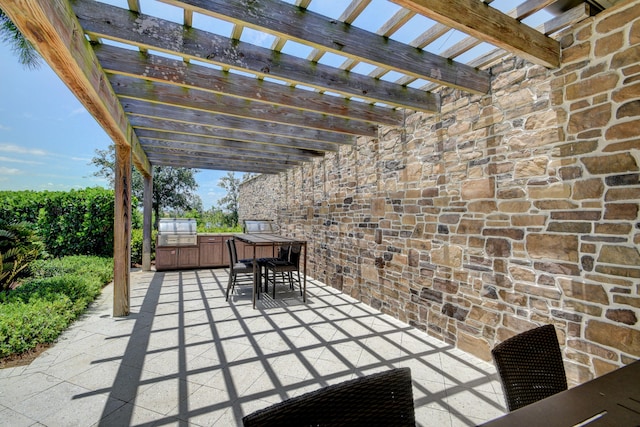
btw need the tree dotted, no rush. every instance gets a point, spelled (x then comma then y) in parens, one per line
(28, 56)
(173, 188)
(230, 201)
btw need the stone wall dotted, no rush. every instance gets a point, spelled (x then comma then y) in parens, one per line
(503, 212)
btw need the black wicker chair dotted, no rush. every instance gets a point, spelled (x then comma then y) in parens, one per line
(530, 366)
(239, 272)
(286, 264)
(381, 399)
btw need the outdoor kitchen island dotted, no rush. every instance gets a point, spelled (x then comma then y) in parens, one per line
(179, 247)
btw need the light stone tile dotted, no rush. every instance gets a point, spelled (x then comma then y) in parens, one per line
(470, 403)
(11, 418)
(427, 417)
(163, 395)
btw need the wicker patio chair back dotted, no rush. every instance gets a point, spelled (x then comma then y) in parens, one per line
(530, 366)
(381, 399)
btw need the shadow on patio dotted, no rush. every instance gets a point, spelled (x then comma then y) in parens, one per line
(185, 356)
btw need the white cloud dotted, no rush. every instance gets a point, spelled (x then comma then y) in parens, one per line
(26, 162)
(3, 127)
(9, 171)
(77, 111)
(11, 148)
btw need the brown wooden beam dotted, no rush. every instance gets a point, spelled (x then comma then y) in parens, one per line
(225, 165)
(245, 149)
(304, 26)
(132, 88)
(52, 27)
(180, 114)
(155, 124)
(158, 68)
(489, 24)
(147, 220)
(149, 32)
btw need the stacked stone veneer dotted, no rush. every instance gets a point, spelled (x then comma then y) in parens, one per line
(503, 212)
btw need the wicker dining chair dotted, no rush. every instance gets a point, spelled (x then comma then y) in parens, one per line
(239, 272)
(530, 366)
(380, 399)
(285, 265)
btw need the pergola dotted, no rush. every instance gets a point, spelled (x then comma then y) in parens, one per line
(190, 95)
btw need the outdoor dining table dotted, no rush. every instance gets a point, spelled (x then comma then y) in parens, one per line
(263, 239)
(610, 400)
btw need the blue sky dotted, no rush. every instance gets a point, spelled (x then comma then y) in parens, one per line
(47, 138)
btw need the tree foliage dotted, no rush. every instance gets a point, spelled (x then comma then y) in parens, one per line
(173, 188)
(230, 201)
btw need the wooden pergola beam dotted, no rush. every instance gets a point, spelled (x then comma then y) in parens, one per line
(154, 124)
(162, 93)
(175, 72)
(304, 26)
(180, 114)
(489, 24)
(148, 32)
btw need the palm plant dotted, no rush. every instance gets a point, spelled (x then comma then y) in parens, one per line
(19, 247)
(28, 56)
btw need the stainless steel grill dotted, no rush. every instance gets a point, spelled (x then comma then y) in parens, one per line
(177, 232)
(257, 226)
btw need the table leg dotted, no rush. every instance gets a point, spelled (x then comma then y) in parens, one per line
(255, 281)
(304, 279)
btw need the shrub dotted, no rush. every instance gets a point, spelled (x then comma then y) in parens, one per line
(42, 307)
(136, 245)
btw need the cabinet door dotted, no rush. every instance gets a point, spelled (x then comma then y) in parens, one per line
(189, 257)
(211, 250)
(166, 258)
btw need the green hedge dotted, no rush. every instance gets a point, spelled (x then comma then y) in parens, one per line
(77, 222)
(40, 309)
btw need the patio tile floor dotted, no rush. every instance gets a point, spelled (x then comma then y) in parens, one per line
(186, 357)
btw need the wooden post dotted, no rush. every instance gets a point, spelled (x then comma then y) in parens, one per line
(122, 232)
(147, 213)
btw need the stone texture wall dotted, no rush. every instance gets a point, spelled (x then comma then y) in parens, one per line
(503, 212)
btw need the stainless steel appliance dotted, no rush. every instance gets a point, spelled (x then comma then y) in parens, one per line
(256, 226)
(177, 232)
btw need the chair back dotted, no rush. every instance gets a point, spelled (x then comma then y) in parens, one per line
(530, 366)
(283, 252)
(381, 399)
(233, 255)
(294, 255)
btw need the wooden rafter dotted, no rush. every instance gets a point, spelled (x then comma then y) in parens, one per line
(157, 68)
(279, 18)
(149, 32)
(160, 93)
(488, 24)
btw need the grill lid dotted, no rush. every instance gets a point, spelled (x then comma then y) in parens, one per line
(177, 226)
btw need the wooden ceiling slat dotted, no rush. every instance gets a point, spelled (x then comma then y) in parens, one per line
(154, 150)
(153, 33)
(239, 134)
(218, 150)
(168, 112)
(218, 164)
(157, 68)
(161, 93)
(284, 20)
(489, 24)
(209, 141)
